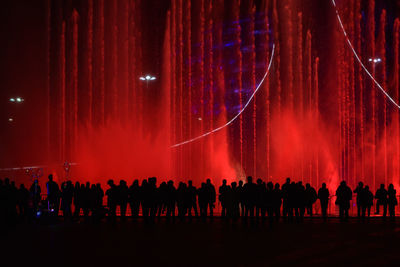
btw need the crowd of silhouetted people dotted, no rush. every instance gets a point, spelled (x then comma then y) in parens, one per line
(253, 201)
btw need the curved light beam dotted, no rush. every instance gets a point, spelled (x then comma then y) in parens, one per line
(359, 60)
(240, 112)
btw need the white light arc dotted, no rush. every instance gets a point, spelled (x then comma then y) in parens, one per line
(359, 60)
(240, 112)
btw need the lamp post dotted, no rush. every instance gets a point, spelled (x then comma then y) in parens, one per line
(374, 61)
(147, 79)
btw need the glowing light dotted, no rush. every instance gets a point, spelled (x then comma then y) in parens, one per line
(376, 60)
(147, 78)
(240, 112)
(16, 99)
(10, 119)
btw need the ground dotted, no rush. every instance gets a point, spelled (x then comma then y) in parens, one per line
(215, 243)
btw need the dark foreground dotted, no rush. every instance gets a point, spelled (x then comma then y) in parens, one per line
(215, 243)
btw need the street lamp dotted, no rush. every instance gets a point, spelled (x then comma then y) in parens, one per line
(147, 79)
(375, 60)
(16, 99)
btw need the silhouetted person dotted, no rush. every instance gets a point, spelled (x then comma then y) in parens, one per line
(277, 201)
(392, 201)
(223, 191)
(77, 200)
(180, 200)
(134, 198)
(112, 199)
(311, 198)
(285, 196)
(260, 199)
(250, 197)
(269, 201)
(366, 201)
(203, 200)
(53, 195)
(97, 202)
(233, 201)
(299, 201)
(67, 193)
(381, 195)
(241, 198)
(162, 199)
(192, 202)
(122, 191)
(292, 196)
(23, 201)
(171, 200)
(211, 197)
(85, 198)
(343, 198)
(323, 196)
(35, 194)
(144, 199)
(359, 191)
(152, 198)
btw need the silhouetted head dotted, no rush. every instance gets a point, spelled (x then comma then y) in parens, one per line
(367, 188)
(343, 183)
(224, 182)
(190, 182)
(93, 186)
(259, 181)
(22, 186)
(360, 184)
(308, 185)
(87, 185)
(382, 186)
(98, 185)
(270, 185)
(203, 185)
(288, 180)
(277, 186)
(233, 184)
(249, 179)
(135, 182)
(323, 185)
(77, 184)
(110, 182)
(122, 182)
(391, 187)
(7, 181)
(50, 177)
(208, 181)
(170, 183)
(13, 183)
(240, 183)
